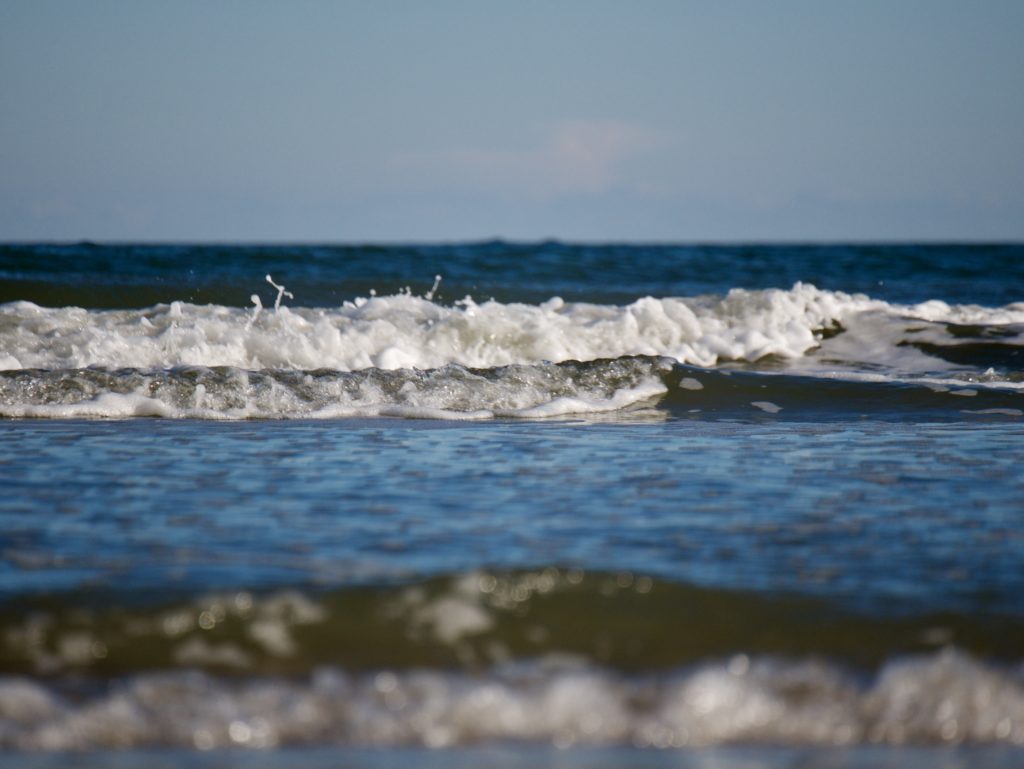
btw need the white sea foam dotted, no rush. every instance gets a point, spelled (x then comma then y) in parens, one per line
(944, 698)
(405, 331)
(452, 392)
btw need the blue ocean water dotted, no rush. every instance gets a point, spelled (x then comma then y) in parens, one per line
(139, 275)
(857, 513)
(614, 498)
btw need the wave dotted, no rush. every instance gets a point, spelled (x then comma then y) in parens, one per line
(405, 331)
(409, 356)
(472, 621)
(942, 698)
(544, 656)
(452, 392)
(629, 387)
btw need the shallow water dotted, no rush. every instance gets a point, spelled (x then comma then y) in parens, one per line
(745, 518)
(869, 513)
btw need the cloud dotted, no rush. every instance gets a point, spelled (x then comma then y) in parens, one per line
(572, 157)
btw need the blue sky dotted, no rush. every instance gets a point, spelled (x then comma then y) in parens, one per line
(580, 120)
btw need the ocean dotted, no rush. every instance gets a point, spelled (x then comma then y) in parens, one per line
(512, 505)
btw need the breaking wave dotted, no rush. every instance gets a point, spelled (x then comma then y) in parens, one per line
(408, 356)
(548, 656)
(628, 386)
(944, 698)
(405, 331)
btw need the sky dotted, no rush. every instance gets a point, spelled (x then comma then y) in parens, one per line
(449, 120)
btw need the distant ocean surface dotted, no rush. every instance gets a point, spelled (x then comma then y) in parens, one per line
(508, 504)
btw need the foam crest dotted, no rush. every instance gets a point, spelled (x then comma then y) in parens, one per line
(944, 698)
(404, 331)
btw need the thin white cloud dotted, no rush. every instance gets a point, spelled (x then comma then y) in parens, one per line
(572, 157)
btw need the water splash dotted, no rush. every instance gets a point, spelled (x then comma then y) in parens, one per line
(281, 292)
(429, 296)
(256, 310)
